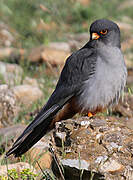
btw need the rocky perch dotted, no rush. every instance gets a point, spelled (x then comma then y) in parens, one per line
(85, 148)
(97, 148)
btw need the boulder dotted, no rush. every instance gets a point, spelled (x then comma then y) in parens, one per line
(98, 148)
(40, 153)
(10, 134)
(10, 74)
(8, 106)
(7, 35)
(125, 106)
(27, 94)
(54, 53)
(30, 81)
(54, 57)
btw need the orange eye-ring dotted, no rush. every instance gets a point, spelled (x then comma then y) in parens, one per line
(104, 31)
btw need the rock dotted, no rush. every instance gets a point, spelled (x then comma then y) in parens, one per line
(54, 59)
(8, 106)
(60, 46)
(30, 81)
(11, 74)
(17, 166)
(12, 54)
(75, 45)
(125, 106)
(5, 52)
(54, 53)
(101, 149)
(10, 134)
(11, 99)
(35, 54)
(27, 94)
(39, 152)
(43, 157)
(76, 41)
(111, 166)
(54, 56)
(80, 37)
(6, 35)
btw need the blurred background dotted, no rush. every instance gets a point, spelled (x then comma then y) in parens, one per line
(36, 37)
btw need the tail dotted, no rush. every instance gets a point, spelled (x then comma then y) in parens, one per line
(36, 129)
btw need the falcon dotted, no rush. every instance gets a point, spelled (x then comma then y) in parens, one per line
(92, 80)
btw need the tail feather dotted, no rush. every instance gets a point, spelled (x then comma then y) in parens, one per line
(43, 118)
(40, 125)
(34, 132)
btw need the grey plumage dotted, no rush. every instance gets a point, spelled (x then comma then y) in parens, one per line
(92, 78)
(107, 83)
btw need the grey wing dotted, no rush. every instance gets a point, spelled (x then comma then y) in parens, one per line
(79, 67)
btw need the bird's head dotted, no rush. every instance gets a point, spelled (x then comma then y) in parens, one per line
(106, 32)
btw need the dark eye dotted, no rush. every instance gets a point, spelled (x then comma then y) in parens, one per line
(104, 31)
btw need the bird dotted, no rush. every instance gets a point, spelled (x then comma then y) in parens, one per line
(92, 79)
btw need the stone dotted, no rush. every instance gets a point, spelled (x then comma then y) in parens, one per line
(77, 41)
(13, 55)
(11, 74)
(111, 166)
(79, 37)
(43, 157)
(7, 35)
(60, 46)
(54, 53)
(30, 81)
(76, 163)
(10, 134)
(5, 52)
(27, 94)
(101, 148)
(35, 54)
(125, 106)
(54, 56)
(8, 106)
(39, 153)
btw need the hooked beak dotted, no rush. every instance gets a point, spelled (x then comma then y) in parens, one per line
(95, 36)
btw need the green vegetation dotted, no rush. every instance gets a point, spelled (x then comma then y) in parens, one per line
(24, 175)
(61, 16)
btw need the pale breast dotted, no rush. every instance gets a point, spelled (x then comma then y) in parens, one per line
(106, 85)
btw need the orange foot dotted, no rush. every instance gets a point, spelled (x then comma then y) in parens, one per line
(90, 114)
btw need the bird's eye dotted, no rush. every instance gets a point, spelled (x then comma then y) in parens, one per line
(104, 31)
